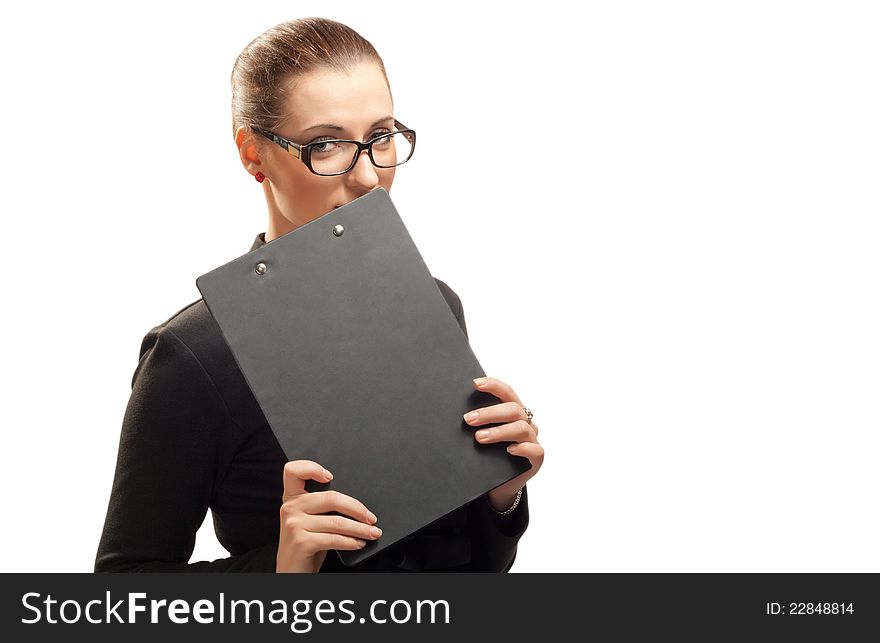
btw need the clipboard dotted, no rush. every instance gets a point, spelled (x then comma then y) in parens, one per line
(358, 363)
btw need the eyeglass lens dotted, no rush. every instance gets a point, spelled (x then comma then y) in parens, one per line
(388, 150)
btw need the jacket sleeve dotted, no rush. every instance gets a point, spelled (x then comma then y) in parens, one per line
(494, 537)
(166, 469)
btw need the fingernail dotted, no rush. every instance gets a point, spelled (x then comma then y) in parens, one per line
(328, 474)
(360, 542)
(470, 417)
(371, 517)
(482, 434)
(375, 532)
(510, 449)
(480, 381)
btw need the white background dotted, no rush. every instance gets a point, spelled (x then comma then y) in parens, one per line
(662, 220)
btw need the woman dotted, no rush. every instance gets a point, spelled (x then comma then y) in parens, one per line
(193, 436)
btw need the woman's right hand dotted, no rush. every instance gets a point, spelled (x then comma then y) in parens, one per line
(306, 535)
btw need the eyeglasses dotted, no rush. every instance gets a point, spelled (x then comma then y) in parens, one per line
(335, 156)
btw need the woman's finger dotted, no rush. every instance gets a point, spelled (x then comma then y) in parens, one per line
(340, 525)
(296, 472)
(519, 431)
(321, 502)
(323, 542)
(535, 427)
(499, 389)
(531, 450)
(503, 412)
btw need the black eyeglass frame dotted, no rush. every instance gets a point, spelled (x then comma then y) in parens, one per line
(304, 152)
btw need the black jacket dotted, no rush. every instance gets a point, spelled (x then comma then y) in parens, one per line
(193, 438)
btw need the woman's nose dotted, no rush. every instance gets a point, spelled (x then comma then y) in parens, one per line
(364, 172)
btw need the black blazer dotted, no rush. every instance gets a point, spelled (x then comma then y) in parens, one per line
(193, 437)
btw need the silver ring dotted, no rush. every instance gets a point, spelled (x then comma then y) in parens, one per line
(529, 415)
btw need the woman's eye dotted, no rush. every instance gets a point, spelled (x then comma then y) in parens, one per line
(318, 147)
(323, 145)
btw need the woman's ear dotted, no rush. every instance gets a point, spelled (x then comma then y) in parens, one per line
(248, 151)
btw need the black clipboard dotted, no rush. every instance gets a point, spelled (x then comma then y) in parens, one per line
(358, 363)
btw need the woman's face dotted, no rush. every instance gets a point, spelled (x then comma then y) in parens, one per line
(322, 104)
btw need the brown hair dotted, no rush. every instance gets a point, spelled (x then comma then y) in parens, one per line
(266, 69)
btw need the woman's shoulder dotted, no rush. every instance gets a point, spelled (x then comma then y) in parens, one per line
(454, 302)
(194, 333)
(449, 294)
(191, 340)
(194, 326)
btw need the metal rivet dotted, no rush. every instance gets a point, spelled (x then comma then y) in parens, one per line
(260, 269)
(338, 230)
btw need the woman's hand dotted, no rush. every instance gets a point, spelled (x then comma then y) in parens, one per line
(306, 534)
(517, 429)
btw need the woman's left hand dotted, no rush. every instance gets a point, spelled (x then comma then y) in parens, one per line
(517, 429)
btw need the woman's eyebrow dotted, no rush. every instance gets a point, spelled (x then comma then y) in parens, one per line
(337, 127)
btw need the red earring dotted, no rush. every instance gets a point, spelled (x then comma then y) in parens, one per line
(259, 176)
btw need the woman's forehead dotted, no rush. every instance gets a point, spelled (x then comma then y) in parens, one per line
(350, 99)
